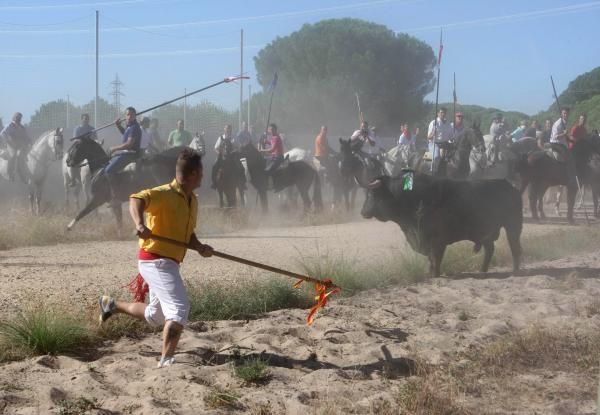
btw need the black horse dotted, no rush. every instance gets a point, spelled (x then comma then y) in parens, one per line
(292, 173)
(455, 155)
(228, 181)
(355, 165)
(149, 172)
(540, 171)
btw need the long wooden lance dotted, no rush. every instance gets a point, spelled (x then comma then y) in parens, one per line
(437, 95)
(587, 220)
(323, 288)
(224, 81)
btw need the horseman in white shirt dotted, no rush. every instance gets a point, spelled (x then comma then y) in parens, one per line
(440, 130)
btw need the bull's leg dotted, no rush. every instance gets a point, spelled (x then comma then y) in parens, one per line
(541, 194)
(264, 201)
(435, 260)
(488, 251)
(514, 242)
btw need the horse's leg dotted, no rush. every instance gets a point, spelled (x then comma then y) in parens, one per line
(595, 199)
(581, 197)
(557, 200)
(92, 205)
(540, 202)
(118, 212)
(571, 195)
(221, 202)
(38, 198)
(264, 201)
(533, 198)
(303, 190)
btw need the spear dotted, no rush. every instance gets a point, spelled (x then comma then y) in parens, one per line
(224, 81)
(323, 288)
(271, 88)
(437, 94)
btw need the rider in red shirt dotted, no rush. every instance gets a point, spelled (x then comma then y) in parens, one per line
(275, 150)
(578, 131)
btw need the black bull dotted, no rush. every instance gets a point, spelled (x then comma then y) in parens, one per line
(439, 212)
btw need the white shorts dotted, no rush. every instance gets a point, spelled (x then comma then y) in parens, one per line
(168, 298)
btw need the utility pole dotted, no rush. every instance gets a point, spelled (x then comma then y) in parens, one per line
(241, 80)
(185, 107)
(117, 94)
(68, 113)
(97, 55)
(249, 99)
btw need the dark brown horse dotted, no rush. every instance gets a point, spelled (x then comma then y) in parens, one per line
(540, 171)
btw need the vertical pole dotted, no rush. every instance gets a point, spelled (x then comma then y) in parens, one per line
(454, 107)
(185, 107)
(437, 95)
(97, 54)
(68, 113)
(249, 99)
(241, 80)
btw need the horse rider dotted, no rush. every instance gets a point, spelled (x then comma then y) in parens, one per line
(224, 147)
(406, 139)
(18, 142)
(179, 137)
(274, 150)
(146, 135)
(243, 137)
(125, 153)
(578, 131)
(561, 142)
(199, 144)
(364, 143)
(458, 126)
(85, 129)
(323, 151)
(156, 144)
(532, 130)
(439, 131)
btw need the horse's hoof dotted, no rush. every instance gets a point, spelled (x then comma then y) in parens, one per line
(70, 225)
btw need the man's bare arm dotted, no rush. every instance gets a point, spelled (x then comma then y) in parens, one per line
(136, 210)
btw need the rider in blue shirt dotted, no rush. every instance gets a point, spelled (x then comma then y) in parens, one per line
(126, 152)
(85, 129)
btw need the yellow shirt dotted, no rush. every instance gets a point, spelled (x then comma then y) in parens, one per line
(169, 213)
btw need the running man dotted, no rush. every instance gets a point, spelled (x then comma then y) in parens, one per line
(171, 211)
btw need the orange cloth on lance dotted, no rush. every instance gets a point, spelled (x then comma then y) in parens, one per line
(169, 213)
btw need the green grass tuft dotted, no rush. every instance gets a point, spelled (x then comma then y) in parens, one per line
(251, 369)
(43, 331)
(222, 301)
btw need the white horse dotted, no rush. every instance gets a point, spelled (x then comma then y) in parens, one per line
(76, 179)
(33, 168)
(397, 158)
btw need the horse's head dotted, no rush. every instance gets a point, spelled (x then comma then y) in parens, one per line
(85, 148)
(347, 158)
(57, 143)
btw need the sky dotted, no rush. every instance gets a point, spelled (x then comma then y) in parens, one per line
(502, 52)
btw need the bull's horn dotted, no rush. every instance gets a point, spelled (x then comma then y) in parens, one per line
(375, 184)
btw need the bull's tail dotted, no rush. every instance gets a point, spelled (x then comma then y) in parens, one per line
(317, 196)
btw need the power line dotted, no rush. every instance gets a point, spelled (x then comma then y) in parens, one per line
(556, 11)
(125, 55)
(215, 21)
(47, 24)
(71, 5)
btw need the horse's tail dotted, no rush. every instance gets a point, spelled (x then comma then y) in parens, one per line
(317, 196)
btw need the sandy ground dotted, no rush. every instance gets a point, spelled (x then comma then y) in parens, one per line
(355, 358)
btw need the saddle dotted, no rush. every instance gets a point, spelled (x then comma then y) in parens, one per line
(557, 152)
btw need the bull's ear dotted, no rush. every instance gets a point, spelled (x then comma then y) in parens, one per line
(375, 184)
